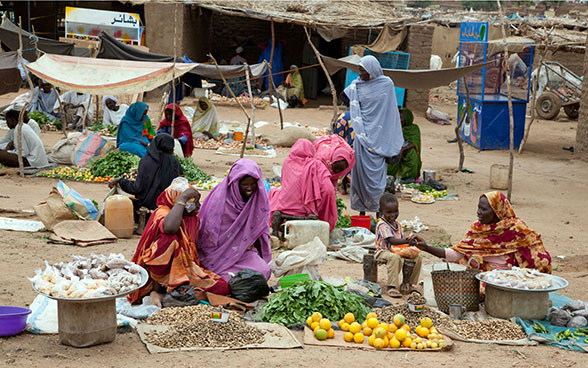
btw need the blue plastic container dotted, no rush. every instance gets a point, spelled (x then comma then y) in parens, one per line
(13, 320)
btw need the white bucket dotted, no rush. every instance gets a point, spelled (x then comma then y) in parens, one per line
(428, 291)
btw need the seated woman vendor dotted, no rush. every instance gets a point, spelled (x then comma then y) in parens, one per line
(307, 181)
(135, 130)
(156, 171)
(182, 130)
(167, 249)
(498, 240)
(234, 231)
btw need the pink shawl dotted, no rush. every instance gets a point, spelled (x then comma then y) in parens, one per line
(306, 186)
(229, 225)
(333, 148)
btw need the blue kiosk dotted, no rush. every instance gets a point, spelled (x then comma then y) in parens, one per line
(486, 125)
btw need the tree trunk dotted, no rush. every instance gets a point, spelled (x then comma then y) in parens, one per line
(581, 148)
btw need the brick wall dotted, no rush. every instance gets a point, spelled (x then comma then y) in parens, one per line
(418, 44)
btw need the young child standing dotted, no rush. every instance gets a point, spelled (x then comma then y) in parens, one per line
(393, 247)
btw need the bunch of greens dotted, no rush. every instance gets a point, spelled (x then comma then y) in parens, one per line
(43, 120)
(110, 129)
(294, 304)
(191, 171)
(344, 221)
(115, 164)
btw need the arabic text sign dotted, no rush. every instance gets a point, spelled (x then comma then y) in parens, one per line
(473, 31)
(102, 17)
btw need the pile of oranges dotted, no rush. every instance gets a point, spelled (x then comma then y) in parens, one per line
(379, 334)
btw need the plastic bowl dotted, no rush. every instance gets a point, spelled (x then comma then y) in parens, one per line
(287, 281)
(13, 320)
(417, 308)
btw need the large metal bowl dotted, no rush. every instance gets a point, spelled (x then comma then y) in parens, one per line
(144, 279)
(556, 284)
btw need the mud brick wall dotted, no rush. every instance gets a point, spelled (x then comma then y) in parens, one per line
(418, 44)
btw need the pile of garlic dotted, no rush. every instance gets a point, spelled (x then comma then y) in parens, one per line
(91, 277)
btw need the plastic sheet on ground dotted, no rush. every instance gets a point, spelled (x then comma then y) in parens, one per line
(352, 253)
(43, 317)
(276, 337)
(557, 300)
(20, 225)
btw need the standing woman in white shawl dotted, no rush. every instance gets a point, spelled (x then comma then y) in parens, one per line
(378, 133)
(205, 119)
(113, 113)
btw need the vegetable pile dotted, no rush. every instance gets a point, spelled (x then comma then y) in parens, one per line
(344, 221)
(108, 130)
(115, 164)
(44, 122)
(292, 305)
(73, 173)
(191, 171)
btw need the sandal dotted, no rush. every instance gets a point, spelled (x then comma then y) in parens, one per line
(393, 293)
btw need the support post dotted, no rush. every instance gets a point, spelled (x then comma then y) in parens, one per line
(247, 74)
(333, 91)
(270, 76)
(173, 122)
(510, 115)
(461, 120)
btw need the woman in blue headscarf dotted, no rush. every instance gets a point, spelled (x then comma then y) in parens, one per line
(378, 132)
(132, 136)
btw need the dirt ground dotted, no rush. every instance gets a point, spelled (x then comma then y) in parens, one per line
(549, 193)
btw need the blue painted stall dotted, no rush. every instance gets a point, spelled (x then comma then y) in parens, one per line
(486, 125)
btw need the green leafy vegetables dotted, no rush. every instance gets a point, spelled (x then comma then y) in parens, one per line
(191, 171)
(107, 130)
(115, 164)
(344, 221)
(294, 304)
(43, 120)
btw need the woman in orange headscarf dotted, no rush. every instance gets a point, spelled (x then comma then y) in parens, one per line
(498, 240)
(167, 249)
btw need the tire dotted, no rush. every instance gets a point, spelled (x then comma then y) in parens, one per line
(572, 111)
(548, 105)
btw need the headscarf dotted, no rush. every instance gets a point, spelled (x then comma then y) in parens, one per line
(333, 148)
(306, 186)
(374, 111)
(159, 151)
(181, 128)
(205, 120)
(229, 224)
(131, 125)
(510, 237)
(111, 117)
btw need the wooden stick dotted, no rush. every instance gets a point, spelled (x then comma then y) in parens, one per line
(333, 90)
(173, 122)
(535, 86)
(247, 74)
(24, 109)
(62, 111)
(97, 110)
(461, 120)
(510, 114)
(86, 108)
(270, 76)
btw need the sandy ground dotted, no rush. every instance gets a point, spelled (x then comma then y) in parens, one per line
(549, 193)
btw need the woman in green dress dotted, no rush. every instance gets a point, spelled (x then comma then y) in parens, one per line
(409, 164)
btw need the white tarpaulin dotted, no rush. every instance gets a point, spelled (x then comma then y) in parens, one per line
(105, 76)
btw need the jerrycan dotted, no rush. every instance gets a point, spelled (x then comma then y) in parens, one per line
(298, 232)
(118, 216)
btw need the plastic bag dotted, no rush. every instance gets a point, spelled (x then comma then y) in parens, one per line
(302, 259)
(180, 297)
(79, 204)
(558, 316)
(248, 286)
(577, 321)
(575, 305)
(89, 145)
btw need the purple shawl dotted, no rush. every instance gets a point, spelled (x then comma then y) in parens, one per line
(228, 225)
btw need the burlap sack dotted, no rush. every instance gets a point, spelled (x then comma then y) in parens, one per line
(53, 210)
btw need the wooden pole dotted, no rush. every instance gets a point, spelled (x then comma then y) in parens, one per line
(247, 74)
(270, 77)
(173, 122)
(535, 86)
(24, 108)
(333, 90)
(510, 115)
(235, 97)
(62, 111)
(86, 108)
(97, 110)
(461, 120)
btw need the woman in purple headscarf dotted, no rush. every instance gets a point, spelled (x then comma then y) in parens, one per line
(234, 218)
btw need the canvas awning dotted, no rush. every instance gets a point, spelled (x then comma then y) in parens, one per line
(10, 79)
(409, 79)
(105, 76)
(111, 48)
